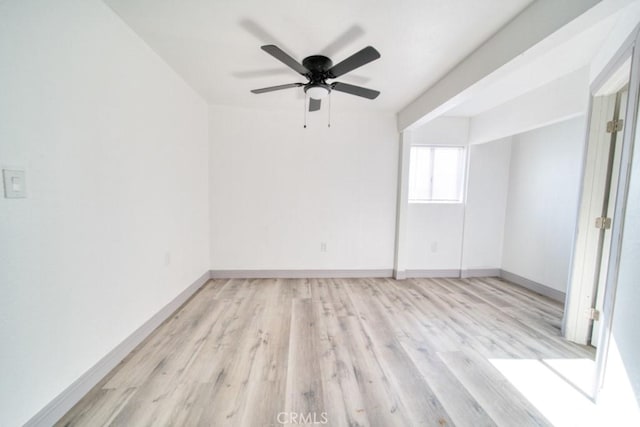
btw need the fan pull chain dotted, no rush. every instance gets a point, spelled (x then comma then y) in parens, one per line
(304, 105)
(329, 119)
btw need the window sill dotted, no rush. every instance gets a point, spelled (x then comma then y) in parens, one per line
(434, 202)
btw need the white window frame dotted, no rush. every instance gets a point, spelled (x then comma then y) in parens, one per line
(461, 175)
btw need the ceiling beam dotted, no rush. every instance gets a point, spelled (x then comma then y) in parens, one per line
(539, 27)
(564, 98)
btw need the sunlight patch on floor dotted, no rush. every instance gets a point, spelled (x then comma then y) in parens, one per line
(560, 390)
(579, 372)
(562, 403)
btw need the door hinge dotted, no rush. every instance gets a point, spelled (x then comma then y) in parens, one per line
(603, 223)
(615, 126)
(594, 314)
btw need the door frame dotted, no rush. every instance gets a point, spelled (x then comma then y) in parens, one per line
(617, 230)
(575, 311)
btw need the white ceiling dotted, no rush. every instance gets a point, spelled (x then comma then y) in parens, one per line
(215, 44)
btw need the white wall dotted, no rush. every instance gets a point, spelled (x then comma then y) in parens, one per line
(278, 190)
(544, 182)
(487, 187)
(434, 230)
(434, 237)
(115, 149)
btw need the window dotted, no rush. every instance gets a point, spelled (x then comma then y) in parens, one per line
(436, 174)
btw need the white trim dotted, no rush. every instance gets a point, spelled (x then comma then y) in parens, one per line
(299, 274)
(400, 250)
(62, 403)
(426, 274)
(533, 286)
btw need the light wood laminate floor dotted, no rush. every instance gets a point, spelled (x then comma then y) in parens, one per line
(351, 352)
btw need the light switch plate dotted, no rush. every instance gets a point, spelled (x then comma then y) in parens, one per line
(15, 185)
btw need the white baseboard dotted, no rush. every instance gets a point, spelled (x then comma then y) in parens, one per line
(425, 274)
(480, 272)
(298, 274)
(533, 286)
(62, 403)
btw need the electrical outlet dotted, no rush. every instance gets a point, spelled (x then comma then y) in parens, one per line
(434, 246)
(323, 246)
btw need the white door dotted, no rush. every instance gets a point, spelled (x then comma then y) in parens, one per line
(599, 183)
(608, 205)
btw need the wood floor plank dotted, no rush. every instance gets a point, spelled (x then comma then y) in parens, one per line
(338, 371)
(353, 352)
(503, 402)
(304, 391)
(267, 387)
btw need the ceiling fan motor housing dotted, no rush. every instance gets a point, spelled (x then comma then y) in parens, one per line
(318, 67)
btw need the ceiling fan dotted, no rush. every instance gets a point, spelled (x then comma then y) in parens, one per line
(318, 69)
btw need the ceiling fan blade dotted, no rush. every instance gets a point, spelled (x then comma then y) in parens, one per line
(314, 104)
(272, 88)
(283, 57)
(356, 60)
(355, 90)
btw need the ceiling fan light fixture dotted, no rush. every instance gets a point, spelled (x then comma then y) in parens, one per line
(317, 91)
